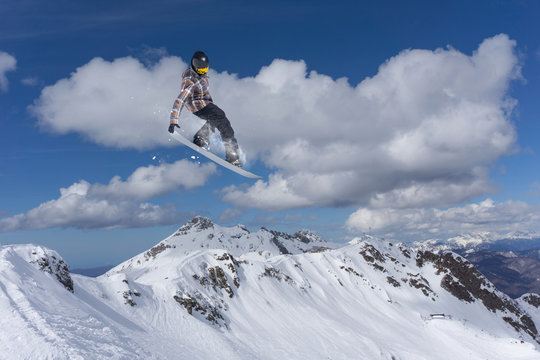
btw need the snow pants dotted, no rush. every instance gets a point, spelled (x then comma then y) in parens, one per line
(216, 119)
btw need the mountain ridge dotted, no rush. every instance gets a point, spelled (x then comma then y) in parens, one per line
(511, 261)
(209, 291)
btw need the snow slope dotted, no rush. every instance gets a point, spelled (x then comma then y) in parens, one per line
(209, 292)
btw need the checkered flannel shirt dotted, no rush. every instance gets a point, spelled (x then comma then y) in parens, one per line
(194, 94)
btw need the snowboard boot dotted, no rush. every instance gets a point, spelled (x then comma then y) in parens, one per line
(232, 154)
(234, 160)
(200, 141)
(202, 137)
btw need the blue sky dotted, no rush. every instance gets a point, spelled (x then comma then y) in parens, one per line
(412, 120)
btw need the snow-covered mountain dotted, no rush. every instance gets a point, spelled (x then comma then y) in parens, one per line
(511, 260)
(482, 240)
(513, 272)
(209, 292)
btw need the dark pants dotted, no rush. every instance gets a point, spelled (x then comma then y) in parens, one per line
(216, 119)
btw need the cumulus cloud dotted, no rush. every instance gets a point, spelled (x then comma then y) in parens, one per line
(120, 104)
(278, 197)
(7, 63)
(153, 181)
(421, 132)
(118, 204)
(421, 224)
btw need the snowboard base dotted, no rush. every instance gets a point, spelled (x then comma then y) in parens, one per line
(178, 137)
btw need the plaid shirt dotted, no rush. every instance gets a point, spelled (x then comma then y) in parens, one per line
(194, 94)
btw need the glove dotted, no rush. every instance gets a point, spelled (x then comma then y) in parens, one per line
(172, 126)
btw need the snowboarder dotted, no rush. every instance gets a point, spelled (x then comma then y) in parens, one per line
(195, 96)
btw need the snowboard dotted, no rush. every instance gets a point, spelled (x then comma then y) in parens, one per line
(178, 137)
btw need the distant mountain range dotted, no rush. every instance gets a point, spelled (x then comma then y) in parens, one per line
(212, 292)
(514, 241)
(511, 261)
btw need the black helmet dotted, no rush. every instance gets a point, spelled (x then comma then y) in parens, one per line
(199, 62)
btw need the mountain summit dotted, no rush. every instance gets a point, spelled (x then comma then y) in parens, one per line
(217, 292)
(202, 234)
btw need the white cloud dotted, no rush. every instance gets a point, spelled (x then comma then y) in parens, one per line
(149, 55)
(118, 204)
(7, 63)
(422, 130)
(276, 197)
(30, 81)
(120, 103)
(152, 181)
(230, 214)
(443, 191)
(421, 224)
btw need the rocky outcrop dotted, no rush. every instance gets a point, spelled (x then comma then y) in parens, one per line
(198, 224)
(197, 304)
(219, 282)
(53, 264)
(156, 250)
(465, 282)
(532, 299)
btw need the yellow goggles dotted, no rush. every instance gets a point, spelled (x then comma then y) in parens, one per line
(202, 71)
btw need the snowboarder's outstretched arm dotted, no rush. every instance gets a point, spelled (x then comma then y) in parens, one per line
(187, 86)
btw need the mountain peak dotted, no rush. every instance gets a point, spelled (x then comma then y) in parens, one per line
(200, 234)
(307, 236)
(198, 223)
